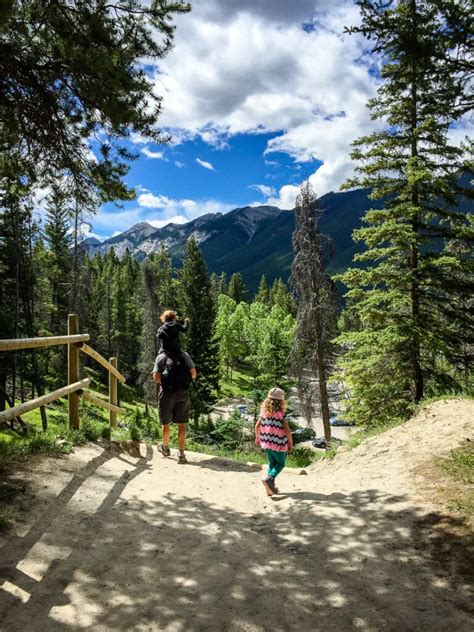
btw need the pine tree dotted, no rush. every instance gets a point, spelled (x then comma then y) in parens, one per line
(408, 294)
(316, 302)
(219, 285)
(279, 295)
(156, 296)
(59, 241)
(237, 289)
(79, 63)
(263, 293)
(198, 305)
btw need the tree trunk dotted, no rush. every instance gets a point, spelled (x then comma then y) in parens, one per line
(417, 374)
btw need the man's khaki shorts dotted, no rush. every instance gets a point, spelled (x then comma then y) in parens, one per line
(173, 407)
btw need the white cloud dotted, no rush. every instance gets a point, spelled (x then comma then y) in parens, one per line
(248, 66)
(86, 232)
(179, 164)
(263, 189)
(286, 197)
(205, 164)
(189, 209)
(160, 223)
(157, 155)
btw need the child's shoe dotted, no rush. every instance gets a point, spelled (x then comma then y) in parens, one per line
(267, 483)
(271, 484)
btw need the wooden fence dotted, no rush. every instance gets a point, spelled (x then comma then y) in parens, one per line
(76, 387)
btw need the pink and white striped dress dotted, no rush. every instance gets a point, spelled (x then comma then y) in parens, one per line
(272, 432)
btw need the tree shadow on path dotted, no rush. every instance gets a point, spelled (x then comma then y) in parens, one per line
(336, 562)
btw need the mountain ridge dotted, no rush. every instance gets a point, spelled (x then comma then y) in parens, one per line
(252, 240)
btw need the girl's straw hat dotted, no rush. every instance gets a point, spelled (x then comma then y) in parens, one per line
(276, 393)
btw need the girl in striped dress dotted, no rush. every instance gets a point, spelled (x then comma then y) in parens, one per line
(272, 434)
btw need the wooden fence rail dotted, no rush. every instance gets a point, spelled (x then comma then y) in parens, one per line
(35, 343)
(21, 409)
(101, 360)
(102, 403)
(75, 387)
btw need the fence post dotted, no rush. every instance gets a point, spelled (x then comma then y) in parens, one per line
(73, 367)
(113, 399)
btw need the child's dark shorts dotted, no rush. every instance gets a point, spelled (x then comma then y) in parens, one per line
(173, 407)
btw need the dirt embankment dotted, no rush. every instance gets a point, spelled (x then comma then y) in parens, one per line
(107, 541)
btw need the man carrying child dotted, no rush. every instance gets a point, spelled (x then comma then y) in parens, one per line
(174, 371)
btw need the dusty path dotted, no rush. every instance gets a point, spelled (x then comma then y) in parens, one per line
(115, 543)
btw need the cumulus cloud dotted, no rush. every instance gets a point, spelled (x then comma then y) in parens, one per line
(263, 189)
(205, 164)
(157, 155)
(86, 232)
(250, 66)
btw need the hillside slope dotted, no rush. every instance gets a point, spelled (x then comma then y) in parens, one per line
(106, 541)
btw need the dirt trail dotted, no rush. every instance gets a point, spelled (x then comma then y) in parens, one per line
(106, 541)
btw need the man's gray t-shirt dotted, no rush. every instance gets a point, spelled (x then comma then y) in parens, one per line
(161, 360)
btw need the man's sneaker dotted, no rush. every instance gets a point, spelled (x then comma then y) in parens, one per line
(164, 449)
(182, 460)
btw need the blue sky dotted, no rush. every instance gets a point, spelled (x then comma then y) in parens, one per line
(236, 174)
(258, 95)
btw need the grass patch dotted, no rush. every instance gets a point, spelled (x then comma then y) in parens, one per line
(242, 383)
(459, 466)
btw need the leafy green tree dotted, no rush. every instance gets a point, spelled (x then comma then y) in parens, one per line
(225, 308)
(410, 290)
(198, 305)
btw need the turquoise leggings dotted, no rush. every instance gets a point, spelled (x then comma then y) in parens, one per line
(276, 462)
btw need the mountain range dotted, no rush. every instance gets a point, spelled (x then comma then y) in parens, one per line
(252, 240)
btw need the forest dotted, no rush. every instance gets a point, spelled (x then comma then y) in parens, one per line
(402, 329)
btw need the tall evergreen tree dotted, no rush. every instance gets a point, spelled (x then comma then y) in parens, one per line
(78, 62)
(59, 242)
(263, 293)
(407, 296)
(156, 296)
(316, 301)
(237, 289)
(198, 305)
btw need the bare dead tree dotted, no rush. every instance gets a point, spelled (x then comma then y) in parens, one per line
(317, 305)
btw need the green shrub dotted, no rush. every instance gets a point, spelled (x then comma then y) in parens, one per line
(135, 434)
(146, 426)
(228, 433)
(91, 428)
(106, 432)
(301, 456)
